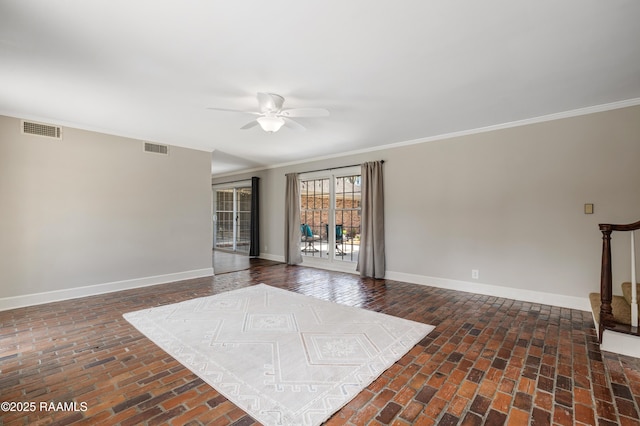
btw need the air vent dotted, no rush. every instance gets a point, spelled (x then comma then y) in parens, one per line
(40, 129)
(156, 148)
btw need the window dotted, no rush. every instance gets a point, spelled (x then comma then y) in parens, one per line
(330, 215)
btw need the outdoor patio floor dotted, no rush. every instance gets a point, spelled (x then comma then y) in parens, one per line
(347, 251)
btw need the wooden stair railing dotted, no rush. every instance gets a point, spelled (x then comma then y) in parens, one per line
(606, 312)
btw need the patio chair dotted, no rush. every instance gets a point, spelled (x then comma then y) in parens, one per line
(309, 239)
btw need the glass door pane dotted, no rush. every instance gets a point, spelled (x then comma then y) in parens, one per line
(224, 223)
(232, 224)
(314, 217)
(347, 218)
(243, 219)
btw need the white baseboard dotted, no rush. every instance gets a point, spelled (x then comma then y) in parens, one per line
(572, 302)
(553, 299)
(275, 258)
(92, 290)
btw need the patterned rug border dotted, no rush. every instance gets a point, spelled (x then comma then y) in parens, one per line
(271, 409)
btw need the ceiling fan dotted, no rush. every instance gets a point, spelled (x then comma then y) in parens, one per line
(271, 116)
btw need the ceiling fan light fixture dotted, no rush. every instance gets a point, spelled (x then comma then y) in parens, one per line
(270, 124)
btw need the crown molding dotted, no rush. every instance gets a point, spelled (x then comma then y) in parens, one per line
(518, 123)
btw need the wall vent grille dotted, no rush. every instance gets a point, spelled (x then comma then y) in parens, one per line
(156, 148)
(41, 129)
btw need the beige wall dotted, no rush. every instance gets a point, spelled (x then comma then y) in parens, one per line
(94, 209)
(508, 203)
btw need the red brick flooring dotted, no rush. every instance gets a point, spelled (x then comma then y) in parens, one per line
(489, 360)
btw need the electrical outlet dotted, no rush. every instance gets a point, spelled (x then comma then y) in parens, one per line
(266, 248)
(475, 274)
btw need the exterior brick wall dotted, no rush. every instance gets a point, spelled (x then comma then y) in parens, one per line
(314, 211)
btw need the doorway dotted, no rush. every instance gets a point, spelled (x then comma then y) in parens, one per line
(232, 219)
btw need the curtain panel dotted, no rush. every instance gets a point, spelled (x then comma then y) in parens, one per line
(292, 236)
(254, 248)
(371, 259)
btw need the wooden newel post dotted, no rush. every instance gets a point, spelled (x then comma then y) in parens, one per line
(606, 312)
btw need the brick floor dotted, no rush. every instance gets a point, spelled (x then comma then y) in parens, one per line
(489, 360)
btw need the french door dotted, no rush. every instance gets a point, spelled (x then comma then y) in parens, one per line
(330, 214)
(232, 219)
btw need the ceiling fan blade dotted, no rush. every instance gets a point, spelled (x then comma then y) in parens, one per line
(304, 112)
(249, 125)
(293, 125)
(234, 110)
(270, 102)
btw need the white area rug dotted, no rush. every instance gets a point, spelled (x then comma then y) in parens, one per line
(284, 358)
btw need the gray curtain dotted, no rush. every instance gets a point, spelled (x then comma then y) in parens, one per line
(371, 256)
(254, 248)
(292, 255)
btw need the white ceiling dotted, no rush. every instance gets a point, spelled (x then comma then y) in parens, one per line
(388, 71)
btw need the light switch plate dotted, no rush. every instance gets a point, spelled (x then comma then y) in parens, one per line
(588, 208)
